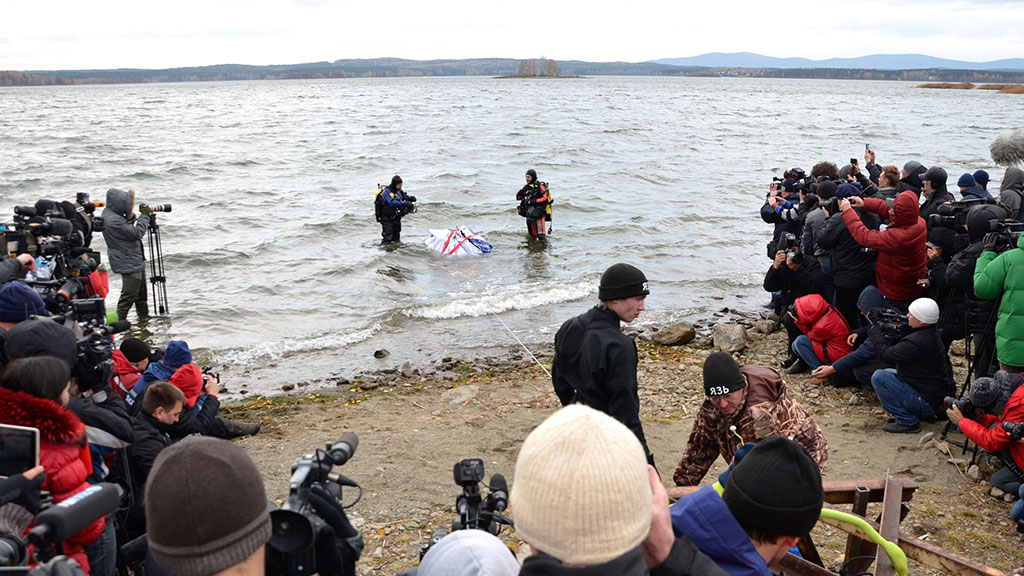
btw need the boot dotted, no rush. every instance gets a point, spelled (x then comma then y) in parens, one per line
(790, 361)
(236, 429)
(798, 367)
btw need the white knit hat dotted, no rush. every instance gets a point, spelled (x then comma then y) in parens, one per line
(925, 310)
(581, 491)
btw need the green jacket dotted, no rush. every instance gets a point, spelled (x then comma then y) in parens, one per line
(1003, 274)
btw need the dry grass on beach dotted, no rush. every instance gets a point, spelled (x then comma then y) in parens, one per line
(414, 427)
(948, 85)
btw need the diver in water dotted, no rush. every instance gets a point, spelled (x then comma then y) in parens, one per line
(535, 205)
(390, 204)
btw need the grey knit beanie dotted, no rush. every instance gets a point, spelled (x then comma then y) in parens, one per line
(581, 491)
(206, 509)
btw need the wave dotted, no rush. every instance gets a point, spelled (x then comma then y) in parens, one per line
(274, 351)
(503, 300)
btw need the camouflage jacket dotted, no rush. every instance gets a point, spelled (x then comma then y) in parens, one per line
(768, 411)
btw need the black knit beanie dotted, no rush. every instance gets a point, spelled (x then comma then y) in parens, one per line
(134, 349)
(41, 337)
(776, 489)
(722, 374)
(622, 281)
(206, 509)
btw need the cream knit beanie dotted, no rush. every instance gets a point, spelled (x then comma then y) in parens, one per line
(581, 491)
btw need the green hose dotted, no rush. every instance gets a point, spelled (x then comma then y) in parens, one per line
(895, 553)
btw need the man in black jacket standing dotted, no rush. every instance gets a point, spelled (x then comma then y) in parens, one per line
(923, 375)
(595, 363)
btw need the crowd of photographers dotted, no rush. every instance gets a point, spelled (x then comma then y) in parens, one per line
(104, 410)
(877, 271)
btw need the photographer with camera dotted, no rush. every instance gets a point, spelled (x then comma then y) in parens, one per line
(933, 188)
(793, 274)
(901, 253)
(1011, 191)
(1000, 272)
(123, 233)
(989, 403)
(390, 205)
(853, 266)
(923, 376)
(586, 502)
(781, 207)
(34, 392)
(825, 333)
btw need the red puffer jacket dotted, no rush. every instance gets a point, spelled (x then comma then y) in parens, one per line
(902, 258)
(63, 453)
(824, 325)
(993, 438)
(124, 376)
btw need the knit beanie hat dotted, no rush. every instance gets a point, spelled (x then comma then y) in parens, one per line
(722, 374)
(18, 301)
(925, 310)
(135, 349)
(622, 281)
(188, 379)
(41, 337)
(827, 190)
(966, 180)
(581, 491)
(847, 190)
(469, 553)
(869, 299)
(981, 178)
(206, 509)
(992, 394)
(177, 354)
(776, 489)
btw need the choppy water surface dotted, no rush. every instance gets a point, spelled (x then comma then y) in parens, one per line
(272, 252)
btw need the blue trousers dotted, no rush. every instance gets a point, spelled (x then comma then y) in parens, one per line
(804, 348)
(899, 398)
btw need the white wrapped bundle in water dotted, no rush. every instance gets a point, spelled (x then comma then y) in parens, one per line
(460, 240)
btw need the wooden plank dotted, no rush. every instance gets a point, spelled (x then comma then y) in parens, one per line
(836, 491)
(889, 527)
(855, 547)
(809, 551)
(796, 566)
(926, 553)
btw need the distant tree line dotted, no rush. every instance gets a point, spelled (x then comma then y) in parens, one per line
(396, 67)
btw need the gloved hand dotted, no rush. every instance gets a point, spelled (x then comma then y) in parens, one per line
(145, 210)
(740, 453)
(991, 242)
(22, 491)
(411, 198)
(59, 566)
(338, 543)
(408, 207)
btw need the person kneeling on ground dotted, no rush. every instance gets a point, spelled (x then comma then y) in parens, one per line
(923, 376)
(825, 333)
(993, 401)
(772, 498)
(587, 502)
(754, 399)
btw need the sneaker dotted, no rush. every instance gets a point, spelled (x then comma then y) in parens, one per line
(789, 361)
(897, 428)
(1020, 526)
(798, 367)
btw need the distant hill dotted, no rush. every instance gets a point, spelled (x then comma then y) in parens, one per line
(872, 62)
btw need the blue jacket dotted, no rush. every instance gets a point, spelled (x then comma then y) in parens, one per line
(156, 371)
(704, 518)
(975, 193)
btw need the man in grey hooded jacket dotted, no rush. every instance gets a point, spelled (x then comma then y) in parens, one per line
(123, 233)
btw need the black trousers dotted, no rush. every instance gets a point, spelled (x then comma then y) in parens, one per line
(391, 230)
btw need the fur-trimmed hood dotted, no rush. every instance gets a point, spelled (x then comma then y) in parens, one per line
(56, 424)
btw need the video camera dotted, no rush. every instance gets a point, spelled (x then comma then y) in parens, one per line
(892, 323)
(953, 215)
(474, 511)
(1008, 232)
(56, 524)
(96, 348)
(299, 528)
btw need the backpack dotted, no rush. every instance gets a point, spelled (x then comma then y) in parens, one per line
(547, 207)
(378, 202)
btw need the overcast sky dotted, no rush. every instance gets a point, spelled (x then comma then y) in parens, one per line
(66, 34)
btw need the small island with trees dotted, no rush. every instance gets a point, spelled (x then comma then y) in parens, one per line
(548, 69)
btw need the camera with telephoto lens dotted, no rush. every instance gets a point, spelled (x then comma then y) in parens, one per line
(95, 351)
(1015, 430)
(474, 511)
(968, 409)
(892, 323)
(787, 242)
(155, 207)
(953, 215)
(299, 529)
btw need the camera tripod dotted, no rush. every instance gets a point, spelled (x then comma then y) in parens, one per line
(156, 268)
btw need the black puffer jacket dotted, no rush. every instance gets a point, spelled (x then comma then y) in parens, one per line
(920, 360)
(853, 266)
(794, 284)
(684, 560)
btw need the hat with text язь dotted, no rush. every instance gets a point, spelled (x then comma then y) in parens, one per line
(581, 492)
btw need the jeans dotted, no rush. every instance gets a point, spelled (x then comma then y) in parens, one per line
(899, 398)
(825, 261)
(1017, 512)
(804, 348)
(1006, 480)
(102, 552)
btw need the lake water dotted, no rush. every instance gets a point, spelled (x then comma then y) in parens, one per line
(272, 253)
